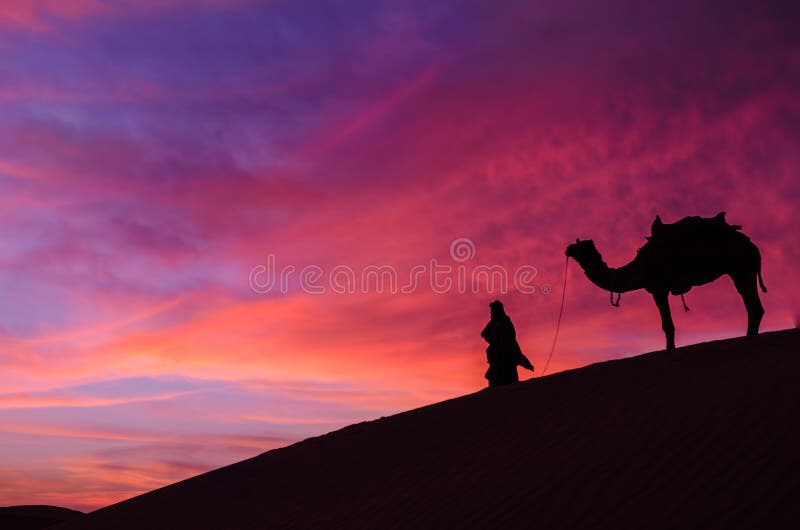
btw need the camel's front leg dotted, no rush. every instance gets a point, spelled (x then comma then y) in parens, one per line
(662, 302)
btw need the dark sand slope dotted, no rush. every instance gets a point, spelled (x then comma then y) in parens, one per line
(34, 517)
(706, 436)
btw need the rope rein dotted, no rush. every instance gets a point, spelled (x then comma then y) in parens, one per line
(560, 314)
(614, 303)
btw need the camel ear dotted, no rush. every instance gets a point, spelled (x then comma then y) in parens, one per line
(577, 240)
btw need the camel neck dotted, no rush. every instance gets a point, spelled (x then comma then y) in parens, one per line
(620, 280)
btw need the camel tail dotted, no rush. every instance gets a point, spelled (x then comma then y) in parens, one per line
(761, 282)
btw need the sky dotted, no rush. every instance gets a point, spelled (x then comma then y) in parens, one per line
(226, 226)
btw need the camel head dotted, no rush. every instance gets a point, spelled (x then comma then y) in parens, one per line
(584, 252)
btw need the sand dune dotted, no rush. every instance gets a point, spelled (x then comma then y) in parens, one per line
(34, 517)
(706, 436)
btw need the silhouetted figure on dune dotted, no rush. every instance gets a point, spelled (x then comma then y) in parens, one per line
(678, 256)
(503, 353)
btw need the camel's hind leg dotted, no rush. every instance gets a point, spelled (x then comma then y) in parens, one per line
(748, 288)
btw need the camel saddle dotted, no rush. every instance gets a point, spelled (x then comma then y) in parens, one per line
(685, 239)
(690, 228)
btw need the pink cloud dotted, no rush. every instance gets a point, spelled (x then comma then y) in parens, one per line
(134, 213)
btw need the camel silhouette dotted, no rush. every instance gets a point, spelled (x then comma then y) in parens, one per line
(693, 251)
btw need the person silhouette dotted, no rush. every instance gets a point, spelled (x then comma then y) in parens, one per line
(503, 353)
